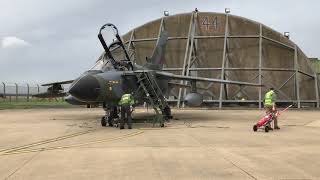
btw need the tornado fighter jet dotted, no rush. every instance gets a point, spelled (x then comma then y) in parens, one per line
(54, 90)
(111, 77)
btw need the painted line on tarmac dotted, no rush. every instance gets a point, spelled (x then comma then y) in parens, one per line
(185, 127)
(3, 151)
(233, 163)
(23, 165)
(71, 146)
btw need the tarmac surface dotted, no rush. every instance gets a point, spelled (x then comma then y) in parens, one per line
(198, 144)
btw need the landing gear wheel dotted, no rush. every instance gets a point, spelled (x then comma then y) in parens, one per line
(103, 121)
(162, 125)
(167, 113)
(255, 128)
(110, 121)
(266, 129)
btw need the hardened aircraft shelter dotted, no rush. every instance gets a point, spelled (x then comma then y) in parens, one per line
(224, 46)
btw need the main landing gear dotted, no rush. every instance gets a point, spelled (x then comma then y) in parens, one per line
(167, 113)
(112, 118)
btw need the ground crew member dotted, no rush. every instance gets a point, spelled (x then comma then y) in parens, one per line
(126, 103)
(270, 105)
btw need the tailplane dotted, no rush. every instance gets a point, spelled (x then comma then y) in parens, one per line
(158, 57)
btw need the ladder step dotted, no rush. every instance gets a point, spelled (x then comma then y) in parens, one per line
(151, 89)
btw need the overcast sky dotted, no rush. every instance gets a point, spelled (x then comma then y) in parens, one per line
(53, 40)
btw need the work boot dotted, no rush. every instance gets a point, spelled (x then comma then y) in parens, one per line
(277, 128)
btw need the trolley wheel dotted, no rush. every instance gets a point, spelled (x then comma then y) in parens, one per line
(266, 129)
(103, 121)
(255, 128)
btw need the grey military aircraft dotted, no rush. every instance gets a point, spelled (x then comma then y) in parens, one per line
(111, 77)
(53, 91)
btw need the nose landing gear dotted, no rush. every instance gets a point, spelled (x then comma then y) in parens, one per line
(109, 117)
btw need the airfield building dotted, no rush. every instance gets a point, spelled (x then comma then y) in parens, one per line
(224, 46)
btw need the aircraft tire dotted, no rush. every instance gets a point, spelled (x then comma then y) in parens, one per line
(110, 121)
(266, 129)
(167, 113)
(103, 121)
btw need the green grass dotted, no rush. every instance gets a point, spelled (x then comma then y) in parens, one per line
(33, 104)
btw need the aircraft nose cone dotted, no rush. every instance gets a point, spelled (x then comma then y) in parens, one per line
(86, 89)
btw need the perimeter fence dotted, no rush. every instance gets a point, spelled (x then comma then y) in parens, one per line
(20, 92)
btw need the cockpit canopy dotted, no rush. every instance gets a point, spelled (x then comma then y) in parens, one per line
(101, 64)
(115, 50)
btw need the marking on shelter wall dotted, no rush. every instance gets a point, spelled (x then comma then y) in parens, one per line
(209, 23)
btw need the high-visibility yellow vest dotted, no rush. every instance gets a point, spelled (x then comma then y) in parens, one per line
(126, 99)
(268, 98)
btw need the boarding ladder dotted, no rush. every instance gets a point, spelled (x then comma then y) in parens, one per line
(147, 82)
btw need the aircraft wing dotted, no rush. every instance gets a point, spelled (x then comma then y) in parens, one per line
(193, 78)
(61, 82)
(179, 85)
(54, 90)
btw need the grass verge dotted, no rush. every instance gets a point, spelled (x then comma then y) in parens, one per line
(33, 104)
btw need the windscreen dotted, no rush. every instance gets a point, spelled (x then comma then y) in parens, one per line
(98, 65)
(102, 64)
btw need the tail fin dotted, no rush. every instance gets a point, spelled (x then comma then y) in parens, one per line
(158, 57)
